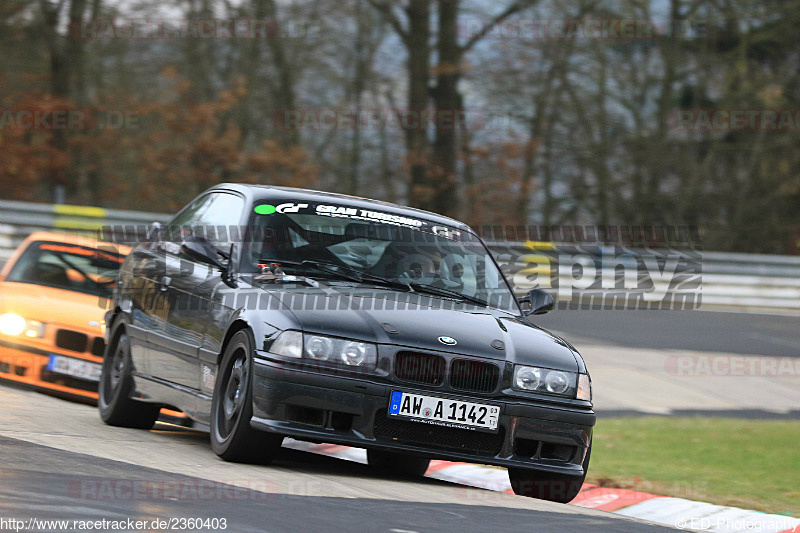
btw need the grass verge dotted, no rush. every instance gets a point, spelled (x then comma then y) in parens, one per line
(754, 464)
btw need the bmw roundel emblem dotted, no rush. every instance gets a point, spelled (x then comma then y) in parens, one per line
(450, 341)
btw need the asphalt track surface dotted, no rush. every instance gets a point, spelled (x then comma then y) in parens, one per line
(696, 330)
(58, 461)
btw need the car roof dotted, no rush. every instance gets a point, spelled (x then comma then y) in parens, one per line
(272, 193)
(67, 238)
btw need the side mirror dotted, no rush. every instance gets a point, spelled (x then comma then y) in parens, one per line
(153, 232)
(537, 302)
(202, 250)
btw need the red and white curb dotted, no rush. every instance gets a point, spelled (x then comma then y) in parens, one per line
(674, 512)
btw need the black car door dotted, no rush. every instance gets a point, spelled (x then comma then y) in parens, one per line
(188, 285)
(140, 296)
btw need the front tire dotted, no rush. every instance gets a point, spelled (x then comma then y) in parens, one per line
(116, 406)
(232, 438)
(545, 486)
(398, 464)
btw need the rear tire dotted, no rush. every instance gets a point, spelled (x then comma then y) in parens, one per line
(232, 438)
(399, 464)
(546, 486)
(116, 406)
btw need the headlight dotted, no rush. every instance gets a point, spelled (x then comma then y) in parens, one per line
(531, 378)
(355, 353)
(326, 349)
(13, 324)
(340, 351)
(528, 378)
(319, 348)
(557, 382)
(584, 388)
(288, 344)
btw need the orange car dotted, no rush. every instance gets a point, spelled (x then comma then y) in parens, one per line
(53, 294)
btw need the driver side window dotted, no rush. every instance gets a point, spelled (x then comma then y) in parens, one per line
(214, 216)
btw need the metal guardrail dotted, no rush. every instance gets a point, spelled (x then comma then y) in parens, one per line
(707, 279)
(20, 219)
(713, 278)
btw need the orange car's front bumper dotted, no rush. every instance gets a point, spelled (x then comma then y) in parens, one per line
(27, 364)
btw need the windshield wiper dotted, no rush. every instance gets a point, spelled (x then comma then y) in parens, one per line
(439, 291)
(359, 276)
(343, 271)
(329, 268)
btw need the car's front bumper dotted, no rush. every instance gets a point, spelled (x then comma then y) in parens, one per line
(26, 364)
(310, 405)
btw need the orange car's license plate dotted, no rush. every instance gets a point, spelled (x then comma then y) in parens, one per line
(74, 367)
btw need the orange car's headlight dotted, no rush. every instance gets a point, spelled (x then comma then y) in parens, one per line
(14, 325)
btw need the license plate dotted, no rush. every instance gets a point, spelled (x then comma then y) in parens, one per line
(443, 411)
(74, 367)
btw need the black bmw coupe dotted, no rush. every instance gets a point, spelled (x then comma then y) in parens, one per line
(264, 312)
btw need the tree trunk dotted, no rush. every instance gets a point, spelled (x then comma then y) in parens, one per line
(359, 82)
(284, 95)
(66, 70)
(467, 198)
(418, 44)
(446, 101)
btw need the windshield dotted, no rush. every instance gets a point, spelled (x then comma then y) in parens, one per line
(68, 266)
(402, 250)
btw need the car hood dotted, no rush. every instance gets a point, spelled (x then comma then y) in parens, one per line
(418, 321)
(53, 306)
